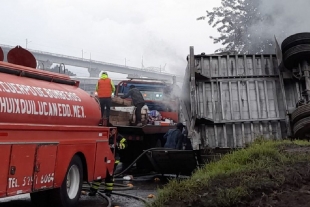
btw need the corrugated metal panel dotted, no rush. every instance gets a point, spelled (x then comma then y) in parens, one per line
(239, 100)
(235, 135)
(231, 66)
(242, 96)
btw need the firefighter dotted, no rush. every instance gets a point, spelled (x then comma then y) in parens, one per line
(104, 88)
(137, 100)
(175, 138)
(109, 180)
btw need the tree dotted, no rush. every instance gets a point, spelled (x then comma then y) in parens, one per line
(234, 20)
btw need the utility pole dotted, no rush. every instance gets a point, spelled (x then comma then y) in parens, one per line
(27, 43)
(126, 61)
(90, 60)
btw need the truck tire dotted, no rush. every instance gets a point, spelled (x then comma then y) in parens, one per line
(296, 39)
(295, 55)
(68, 194)
(302, 128)
(300, 113)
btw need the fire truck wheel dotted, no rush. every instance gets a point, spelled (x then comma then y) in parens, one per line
(69, 193)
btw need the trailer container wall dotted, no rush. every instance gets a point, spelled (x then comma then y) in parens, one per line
(235, 99)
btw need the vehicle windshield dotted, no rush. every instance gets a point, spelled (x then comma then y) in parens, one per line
(153, 93)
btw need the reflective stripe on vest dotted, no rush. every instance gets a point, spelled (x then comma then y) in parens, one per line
(104, 88)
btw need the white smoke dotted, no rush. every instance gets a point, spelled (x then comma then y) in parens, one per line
(288, 17)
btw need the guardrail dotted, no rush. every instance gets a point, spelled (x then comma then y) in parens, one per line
(93, 61)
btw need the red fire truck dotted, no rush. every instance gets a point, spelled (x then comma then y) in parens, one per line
(50, 141)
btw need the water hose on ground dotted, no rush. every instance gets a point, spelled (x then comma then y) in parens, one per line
(102, 194)
(133, 196)
(123, 187)
(143, 153)
(107, 198)
(139, 178)
(152, 177)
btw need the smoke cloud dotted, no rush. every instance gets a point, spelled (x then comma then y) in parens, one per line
(156, 49)
(287, 17)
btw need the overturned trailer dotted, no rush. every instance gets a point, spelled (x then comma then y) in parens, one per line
(230, 100)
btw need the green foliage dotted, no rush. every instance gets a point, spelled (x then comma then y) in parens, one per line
(246, 167)
(234, 20)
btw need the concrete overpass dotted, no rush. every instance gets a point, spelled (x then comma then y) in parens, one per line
(88, 84)
(94, 67)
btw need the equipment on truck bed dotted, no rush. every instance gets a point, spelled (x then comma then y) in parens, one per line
(50, 141)
(160, 114)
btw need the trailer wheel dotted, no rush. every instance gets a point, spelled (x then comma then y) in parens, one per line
(294, 40)
(300, 113)
(301, 128)
(295, 55)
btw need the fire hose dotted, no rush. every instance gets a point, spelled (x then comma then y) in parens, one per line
(122, 187)
(143, 153)
(125, 187)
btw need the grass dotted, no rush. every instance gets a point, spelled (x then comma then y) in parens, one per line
(242, 169)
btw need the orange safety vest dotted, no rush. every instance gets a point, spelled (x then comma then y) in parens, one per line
(104, 88)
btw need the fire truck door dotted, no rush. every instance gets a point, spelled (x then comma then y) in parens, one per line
(5, 151)
(101, 159)
(44, 166)
(20, 172)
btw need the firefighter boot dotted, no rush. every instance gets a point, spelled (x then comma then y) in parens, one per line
(94, 187)
(92, 192)
(108, 188)
(107, 193)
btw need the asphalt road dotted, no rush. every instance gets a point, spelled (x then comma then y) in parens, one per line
(142, 189)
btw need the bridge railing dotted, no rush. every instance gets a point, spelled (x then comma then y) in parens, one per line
(92, 61)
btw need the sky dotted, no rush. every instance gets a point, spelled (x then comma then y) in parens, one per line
(158, 32)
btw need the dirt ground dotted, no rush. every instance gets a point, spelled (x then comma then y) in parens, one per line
(141, 189)
(283, 185)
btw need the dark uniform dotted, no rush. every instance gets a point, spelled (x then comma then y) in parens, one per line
(137, 100)
(109, 180)
(175, 138)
